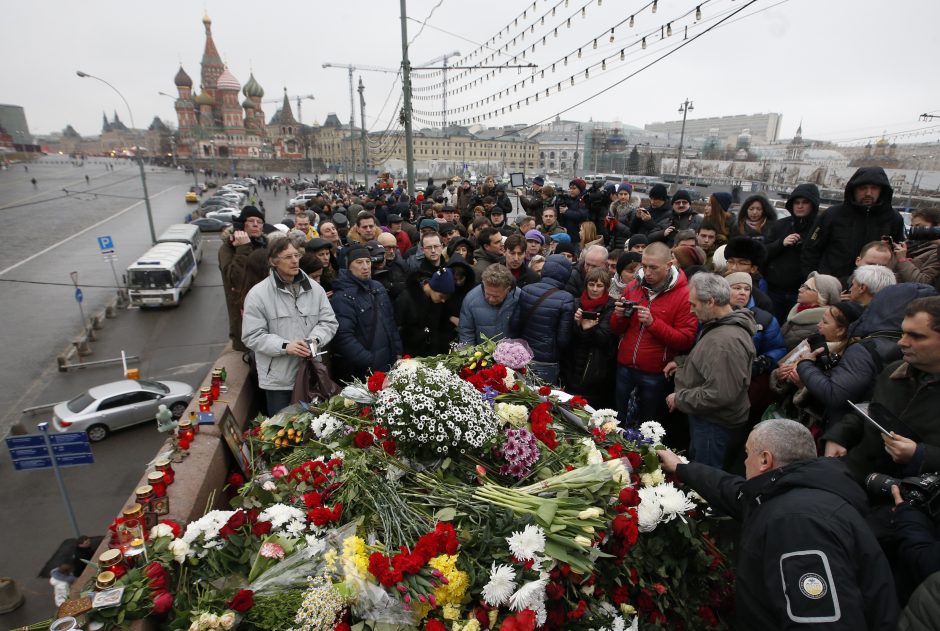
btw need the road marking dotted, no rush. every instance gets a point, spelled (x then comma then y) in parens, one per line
(81, 232)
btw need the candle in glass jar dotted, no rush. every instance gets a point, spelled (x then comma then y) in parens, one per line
(185, 430)
(145, 499)
(105, 580)
(112, 561)
(216, 384)
(157, 480)
(205, 392)
(169, 475)
(204, 404)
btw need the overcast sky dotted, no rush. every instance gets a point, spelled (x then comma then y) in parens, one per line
(847, 68)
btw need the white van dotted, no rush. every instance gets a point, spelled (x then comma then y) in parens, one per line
(184, 233)
(162, 275)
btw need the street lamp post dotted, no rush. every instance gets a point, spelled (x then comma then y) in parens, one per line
(577, 148)
(684, 108)
(140, 162)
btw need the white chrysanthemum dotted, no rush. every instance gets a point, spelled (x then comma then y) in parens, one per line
(515, 415)
(530, 596)
(207, 529)
(653, 431)
(325, 425)
(673, 501)
(501, 586)
(528, 544)
(284, 517)
(604, 416)
(510, 379)
(650, 511)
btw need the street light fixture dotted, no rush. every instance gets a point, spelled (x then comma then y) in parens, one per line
(684, 107)
(140, 162)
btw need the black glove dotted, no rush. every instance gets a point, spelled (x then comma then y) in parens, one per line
(762, 365)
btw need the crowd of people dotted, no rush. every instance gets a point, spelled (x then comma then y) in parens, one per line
(709, 320)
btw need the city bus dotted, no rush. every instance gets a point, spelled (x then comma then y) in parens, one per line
(184, 233)
(162, 275)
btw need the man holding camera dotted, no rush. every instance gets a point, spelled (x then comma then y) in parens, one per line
(806, 557)
(655, 323)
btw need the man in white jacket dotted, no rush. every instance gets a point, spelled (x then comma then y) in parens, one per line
(287, 319)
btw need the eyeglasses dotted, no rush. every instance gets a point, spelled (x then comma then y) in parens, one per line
(289, 257)
(433, 247)
(807, 287)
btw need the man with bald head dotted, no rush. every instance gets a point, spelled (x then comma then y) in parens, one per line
(806, 556)
(394, 272)
(655, 323)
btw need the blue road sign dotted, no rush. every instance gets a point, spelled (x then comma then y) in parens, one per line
(105, 243)
(46, 462)
(35, 440)
(79, 296)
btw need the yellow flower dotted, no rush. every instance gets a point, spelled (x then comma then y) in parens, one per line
(457, 581)
(329, 559)
(355, 555)
(451, 612)
(469, 625)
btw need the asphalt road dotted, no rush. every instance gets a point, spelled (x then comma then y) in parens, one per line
(48, 235)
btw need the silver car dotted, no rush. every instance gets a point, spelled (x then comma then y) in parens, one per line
(119, 404)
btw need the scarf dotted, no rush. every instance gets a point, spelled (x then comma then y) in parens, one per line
(588, 304)
(802, 307)
(756, 225)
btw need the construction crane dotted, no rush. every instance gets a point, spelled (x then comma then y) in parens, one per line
(299, 98)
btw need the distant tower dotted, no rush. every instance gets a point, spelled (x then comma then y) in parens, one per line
(254, 116)
(795, 148)
(286, 120)
(185, 107)
(212, 66)
(226, 91)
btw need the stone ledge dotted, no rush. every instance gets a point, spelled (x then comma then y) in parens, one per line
(200, 476)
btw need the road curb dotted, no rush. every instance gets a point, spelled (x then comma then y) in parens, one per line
(81, 345)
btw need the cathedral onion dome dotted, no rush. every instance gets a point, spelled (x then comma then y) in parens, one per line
(247, 104)
(204, 98)
(182, 79)
(253, 88)
(227, 81)
(205, 18)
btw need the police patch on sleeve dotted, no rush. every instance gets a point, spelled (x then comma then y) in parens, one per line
(808, 587)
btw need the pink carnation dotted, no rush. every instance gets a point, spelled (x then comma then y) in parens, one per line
(272, 551)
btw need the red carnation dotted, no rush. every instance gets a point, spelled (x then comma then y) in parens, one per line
(522, 621)
(363, 440)
(706, 614)
(629, 496)
(313, 499)
(242, 602)
(620, 595)
(577, 401)
(236, 479)
(389, 447)
(379, 431)
(376, 381)
(434, 624)
(162, 603)
(636, 460)
(578, 611)
(544, 391)
(555, 591)
(447, 542)
(615, 451)
(342, 626)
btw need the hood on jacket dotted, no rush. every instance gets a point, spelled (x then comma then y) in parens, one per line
(886, 310)
(739, 317)
(676, 279)
(870, 175)
(557, 268)
(457, 261)
(770, 213)
(807, 190)
(824, 474)
(458, 241)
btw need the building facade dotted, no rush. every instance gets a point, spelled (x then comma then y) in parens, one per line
(763, 128)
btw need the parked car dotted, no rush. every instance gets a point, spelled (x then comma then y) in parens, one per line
(112, 406)
(301, 199)
(224, 214)
(210, 224)
(192, 198)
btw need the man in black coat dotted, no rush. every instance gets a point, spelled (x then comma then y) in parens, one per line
(865, 215)
(785, 247)
(806, 555)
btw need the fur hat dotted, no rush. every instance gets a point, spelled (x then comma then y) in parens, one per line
(688, 255)
(746, 248)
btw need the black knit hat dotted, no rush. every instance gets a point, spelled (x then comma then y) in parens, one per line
(682, 194)
(316, 244)
(626, 259)
(250, 211)
(851, 311)
(659, 191)
(357, 252)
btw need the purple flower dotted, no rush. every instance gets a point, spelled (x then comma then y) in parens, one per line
(489, 395)
(520, 451)
(634, 436)
(514, 354)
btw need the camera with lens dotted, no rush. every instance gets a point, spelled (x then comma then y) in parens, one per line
(628, 307)
(826, 360)
(922, 492)
(924, 233)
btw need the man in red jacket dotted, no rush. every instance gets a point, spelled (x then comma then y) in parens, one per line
(654, 319)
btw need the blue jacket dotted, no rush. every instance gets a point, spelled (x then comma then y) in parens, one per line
(768, 341)
(479, 318)
(365, 315)
(548, 328)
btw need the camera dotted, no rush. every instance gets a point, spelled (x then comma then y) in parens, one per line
(826, 360)
(590, 315)
(923, 491)
(924, 233)
(628, 306)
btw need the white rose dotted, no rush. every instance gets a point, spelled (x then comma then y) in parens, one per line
(658, 477)
(227, 620)
(161, 530)
(203, 619)
(213, 621)
(269, 486)
(194, 626)
(179, 549)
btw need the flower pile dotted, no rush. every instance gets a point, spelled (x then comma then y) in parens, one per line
(449, 494)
